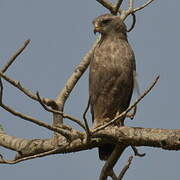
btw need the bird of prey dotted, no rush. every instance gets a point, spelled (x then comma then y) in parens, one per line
(111, 74)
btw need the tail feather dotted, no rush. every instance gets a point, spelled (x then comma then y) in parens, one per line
(105, 151)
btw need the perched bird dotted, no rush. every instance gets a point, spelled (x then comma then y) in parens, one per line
(111, 74)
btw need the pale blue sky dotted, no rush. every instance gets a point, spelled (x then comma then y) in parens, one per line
(61, 34)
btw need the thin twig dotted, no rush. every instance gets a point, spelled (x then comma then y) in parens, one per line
(12, 59)
(59, 112)
(131, 10)
(27, 92)
(125, 168)
(123, 114)
(143, 6)
(53, 151)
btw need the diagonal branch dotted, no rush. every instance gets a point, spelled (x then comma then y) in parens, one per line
(107, 5)
(117, 6)
(78, 72)
(143, 6)
(27, 92)
(13, 58)
(70, 84)
(125, 168)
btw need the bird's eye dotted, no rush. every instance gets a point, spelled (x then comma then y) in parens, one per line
(104, 22)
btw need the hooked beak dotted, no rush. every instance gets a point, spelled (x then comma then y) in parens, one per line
(96, 29)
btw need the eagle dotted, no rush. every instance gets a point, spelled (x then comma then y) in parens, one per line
(111, 74)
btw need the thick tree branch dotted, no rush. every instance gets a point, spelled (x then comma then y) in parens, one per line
(150, 137)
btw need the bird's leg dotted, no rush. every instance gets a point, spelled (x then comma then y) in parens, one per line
(120, 121)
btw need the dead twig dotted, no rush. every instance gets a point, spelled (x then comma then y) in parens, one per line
(123, 114)
(17, 53)
(125, 168)
(143, 6)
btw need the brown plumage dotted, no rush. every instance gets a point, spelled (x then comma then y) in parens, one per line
(111, 74)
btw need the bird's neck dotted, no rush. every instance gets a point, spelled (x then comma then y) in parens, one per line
(114, 36)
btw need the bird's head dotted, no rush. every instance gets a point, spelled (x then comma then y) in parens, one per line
(108, 24)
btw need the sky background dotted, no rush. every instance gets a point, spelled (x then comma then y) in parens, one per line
(61, 33)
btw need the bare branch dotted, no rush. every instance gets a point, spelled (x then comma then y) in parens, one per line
(117, 6)
(112, 175)
(78, 72)
(107, 5)
(152, 137)
(70, 84)
(31, 119)
(123, 114)
(27, 92)
(131, 9)
(130, 4)
(38, 122)
(61, 113)
(12, 59)
(125, 168)
(143, 6)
